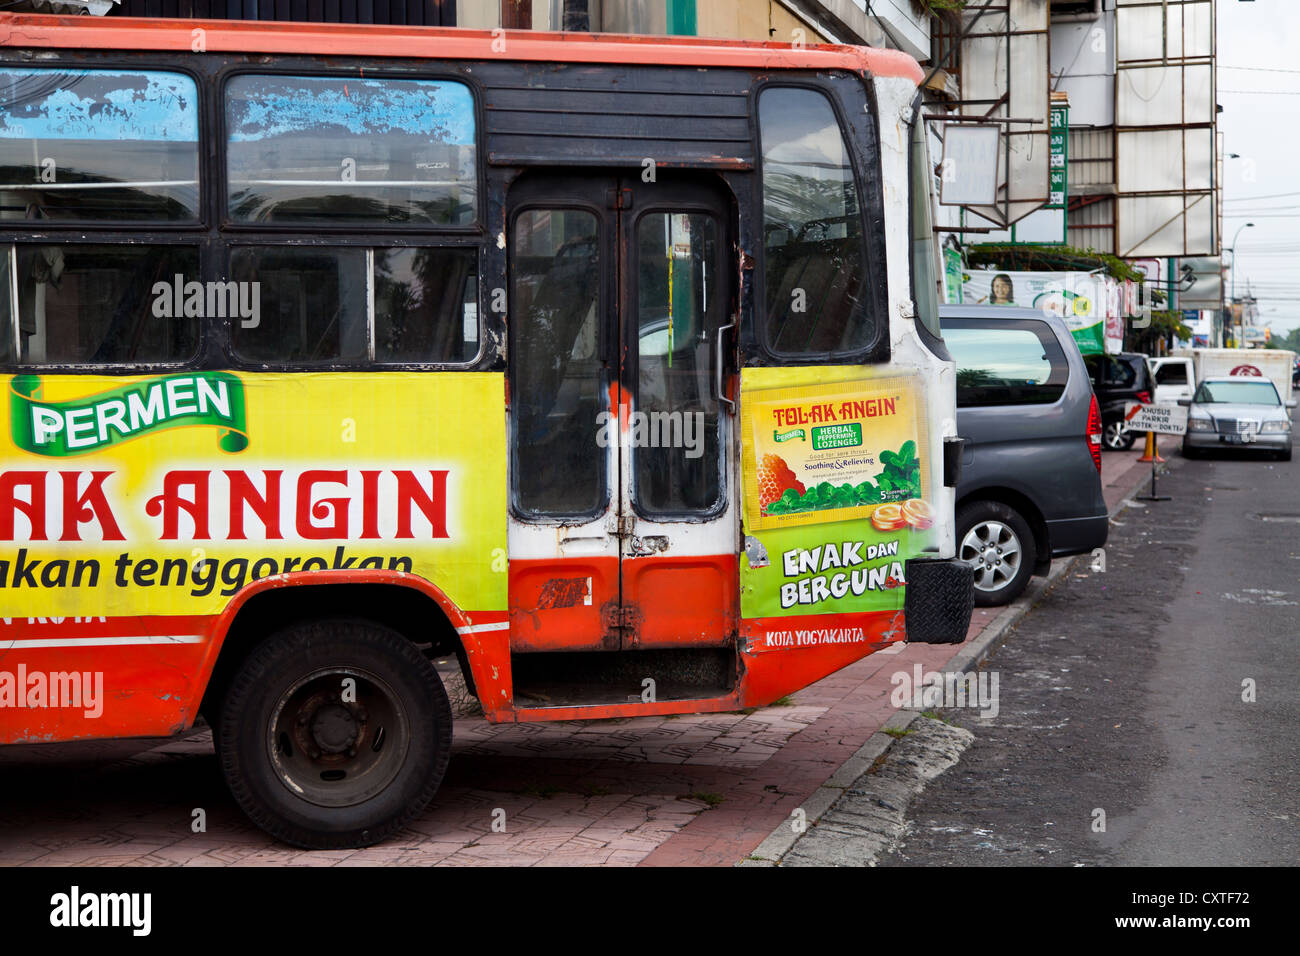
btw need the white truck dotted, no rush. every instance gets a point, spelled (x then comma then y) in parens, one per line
(1274, 364)
(1174, 377)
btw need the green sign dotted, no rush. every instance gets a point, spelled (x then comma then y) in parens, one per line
(83, 425)
(952, 276)
(1058, 157)
(848, 435)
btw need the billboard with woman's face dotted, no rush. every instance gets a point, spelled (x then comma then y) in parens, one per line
(1082, 299)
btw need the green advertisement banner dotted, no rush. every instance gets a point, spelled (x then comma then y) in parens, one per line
(836, 568)
(85, 425)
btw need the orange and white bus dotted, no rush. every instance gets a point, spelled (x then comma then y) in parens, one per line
(609, 366)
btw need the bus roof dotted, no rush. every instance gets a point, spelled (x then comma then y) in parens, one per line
(335, 39)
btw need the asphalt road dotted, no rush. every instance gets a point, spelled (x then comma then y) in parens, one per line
(1122, 691)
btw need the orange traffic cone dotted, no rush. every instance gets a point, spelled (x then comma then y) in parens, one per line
(1151, 454)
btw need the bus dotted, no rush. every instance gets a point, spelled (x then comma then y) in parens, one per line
(608, 367)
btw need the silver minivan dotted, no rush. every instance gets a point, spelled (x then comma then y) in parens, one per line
(1030, 486)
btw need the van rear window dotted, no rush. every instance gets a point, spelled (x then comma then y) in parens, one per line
(1007, 363)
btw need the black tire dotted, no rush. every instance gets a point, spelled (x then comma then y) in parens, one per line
(1285, 454)
(1190, 452)
(1114, 437)
(1003, 526)
(365, 759)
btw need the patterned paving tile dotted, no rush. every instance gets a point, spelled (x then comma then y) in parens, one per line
(616, 792)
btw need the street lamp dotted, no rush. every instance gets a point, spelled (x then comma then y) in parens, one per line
(1233, 250)
(1233, 247)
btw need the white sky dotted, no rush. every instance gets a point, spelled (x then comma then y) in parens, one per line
(1263, 126)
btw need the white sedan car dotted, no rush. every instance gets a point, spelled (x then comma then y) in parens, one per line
(1237, 413)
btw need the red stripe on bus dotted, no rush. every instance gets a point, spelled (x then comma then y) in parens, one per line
(233, 36)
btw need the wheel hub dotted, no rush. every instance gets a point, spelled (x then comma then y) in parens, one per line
(993, 550)
(335, 729)
(331, 749)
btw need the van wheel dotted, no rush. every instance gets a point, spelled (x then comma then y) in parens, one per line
(1116, 437)
(334, 734)
(997, 542)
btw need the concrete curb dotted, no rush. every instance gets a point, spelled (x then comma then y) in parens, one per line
(870, 819)
(782, 839)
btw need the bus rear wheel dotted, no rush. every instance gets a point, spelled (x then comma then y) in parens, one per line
(334, 734)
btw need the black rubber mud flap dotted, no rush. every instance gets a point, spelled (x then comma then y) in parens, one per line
(939, 602)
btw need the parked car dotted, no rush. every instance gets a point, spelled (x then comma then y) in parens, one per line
(1272, 364)
(1118, 380)
(1238, 412)
(1030, 486)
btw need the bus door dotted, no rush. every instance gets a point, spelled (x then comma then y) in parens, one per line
(623, 531)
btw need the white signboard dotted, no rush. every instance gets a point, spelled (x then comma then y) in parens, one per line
(969, 171)
(1164, 419)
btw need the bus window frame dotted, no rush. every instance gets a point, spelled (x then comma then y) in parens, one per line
(234, 361)
(870, 208)
(126, 62)
(199, 360)
(221, 78)
(726, 240)
(606, 323)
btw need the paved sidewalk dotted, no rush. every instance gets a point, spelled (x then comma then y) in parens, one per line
(720, 838)
(687, 790)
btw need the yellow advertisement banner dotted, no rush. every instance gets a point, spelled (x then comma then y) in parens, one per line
(145, 495)
(832, 451)
(834, 465)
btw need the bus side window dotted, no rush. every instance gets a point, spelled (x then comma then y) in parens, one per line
(312, 304)
(334, 149)
(357, 306)
(816, 268)
(119, 145)
(426, 305)
(74, 304)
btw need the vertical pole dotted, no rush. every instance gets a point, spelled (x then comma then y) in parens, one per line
(681, 18)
